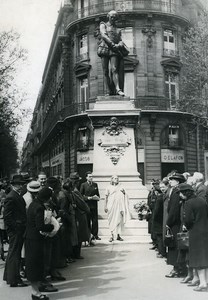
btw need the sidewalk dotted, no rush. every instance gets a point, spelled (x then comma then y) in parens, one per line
(125, 270)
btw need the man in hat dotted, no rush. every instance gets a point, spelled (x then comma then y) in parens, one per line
(174, 222)
(90, 192)
(15, 222)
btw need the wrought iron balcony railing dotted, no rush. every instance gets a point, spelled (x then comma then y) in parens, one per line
(163, 6)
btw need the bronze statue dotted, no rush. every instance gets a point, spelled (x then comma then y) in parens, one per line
(112, 51)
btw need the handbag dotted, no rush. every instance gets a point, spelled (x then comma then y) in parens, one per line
(169, 240)
(183, 240)
(183, 236)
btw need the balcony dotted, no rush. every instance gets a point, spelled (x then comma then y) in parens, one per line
(170, 53)
(133, 6)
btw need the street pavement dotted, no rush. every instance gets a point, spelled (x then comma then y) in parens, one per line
(125, 270)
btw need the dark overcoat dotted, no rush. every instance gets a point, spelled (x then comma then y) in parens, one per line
(158, 214)
(166, 199)
(196, 221)
(15, 222)
(34, 244)
(81, 212)
(67, 214)
(174, 222)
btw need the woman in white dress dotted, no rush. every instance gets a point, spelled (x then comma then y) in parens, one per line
(117, 207)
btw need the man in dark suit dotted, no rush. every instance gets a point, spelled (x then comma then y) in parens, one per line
(90, 192)
(15, 222)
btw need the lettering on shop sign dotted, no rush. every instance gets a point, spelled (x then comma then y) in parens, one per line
(55, 162)
(170, 156)
(83, 158)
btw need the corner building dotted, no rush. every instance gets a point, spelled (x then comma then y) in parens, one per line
(68, 112)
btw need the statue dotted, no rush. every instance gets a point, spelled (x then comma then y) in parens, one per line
(112, 51)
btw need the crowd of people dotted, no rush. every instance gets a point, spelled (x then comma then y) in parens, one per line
(179, 204)
(45, 223)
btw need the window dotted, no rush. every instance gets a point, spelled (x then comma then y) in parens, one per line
(168, 6)
(83, 139)
(129, 89)
(171, 88)
(173, 136)
(83, 93)
(128, 37)
(83, 46)
(82, 8)
(169, 43)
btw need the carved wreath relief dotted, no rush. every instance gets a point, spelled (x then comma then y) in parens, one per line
(114, 141)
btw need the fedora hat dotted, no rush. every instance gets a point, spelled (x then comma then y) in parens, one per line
(33, 186)
(185, 187)
(17, 179)
(26, 176)
(178, 177)
(74, 176)
(52, 181)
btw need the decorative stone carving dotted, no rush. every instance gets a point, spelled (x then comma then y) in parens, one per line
(114, 140)
(149, 31)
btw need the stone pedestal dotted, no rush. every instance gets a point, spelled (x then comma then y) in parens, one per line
(114, 147)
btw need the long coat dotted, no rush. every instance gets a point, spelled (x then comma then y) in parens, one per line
(196, 221)
(81, 212)
(157, 221)
(174, 222)
(15, 222)
(166, 199)
(34, 244)
(67, 214)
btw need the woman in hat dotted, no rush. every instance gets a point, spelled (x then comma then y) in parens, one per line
(196, 221)
(34, 244)
(33, 188)
(173, 223)
(81, 211)
(67, 214)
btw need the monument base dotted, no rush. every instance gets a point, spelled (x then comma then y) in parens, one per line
(115, 119)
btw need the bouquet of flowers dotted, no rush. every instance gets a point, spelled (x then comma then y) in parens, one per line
(143, 210)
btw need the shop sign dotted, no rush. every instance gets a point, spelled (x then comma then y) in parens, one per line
(58, 159)
(85, 157)
(172, 156)
(45, 164)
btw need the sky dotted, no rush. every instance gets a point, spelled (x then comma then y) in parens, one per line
(35, 21)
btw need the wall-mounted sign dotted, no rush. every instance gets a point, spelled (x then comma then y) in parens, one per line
(85, 157)
(57, 160)
(172, 156)
(45, 164)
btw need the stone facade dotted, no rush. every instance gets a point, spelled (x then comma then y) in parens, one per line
(61, 139)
